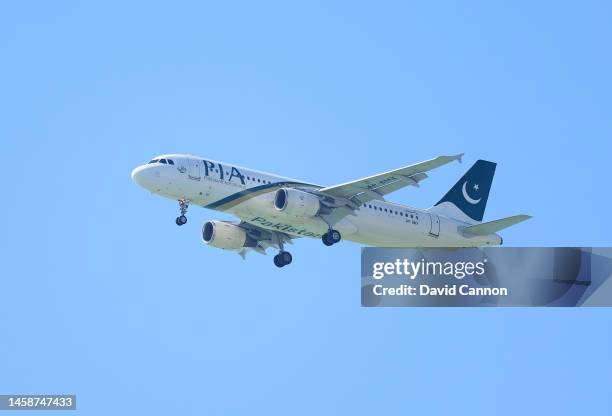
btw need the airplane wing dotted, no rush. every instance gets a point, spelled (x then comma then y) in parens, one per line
(348, 196)
(375, 187)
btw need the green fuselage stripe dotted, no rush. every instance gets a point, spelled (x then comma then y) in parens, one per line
(246, 194)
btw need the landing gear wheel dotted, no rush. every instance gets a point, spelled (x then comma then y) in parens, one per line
(335, 236)
(286, 257)
(282, 259)
(326, 240)
(331, 237)
(181, 220)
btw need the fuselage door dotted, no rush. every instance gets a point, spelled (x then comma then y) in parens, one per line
(434, 230)
(194, 169)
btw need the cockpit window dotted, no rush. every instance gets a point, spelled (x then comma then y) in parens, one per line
(165, 161)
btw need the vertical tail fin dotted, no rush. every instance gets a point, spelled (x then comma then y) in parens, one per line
(467, 199)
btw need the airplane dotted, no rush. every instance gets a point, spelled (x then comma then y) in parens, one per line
(274, 210)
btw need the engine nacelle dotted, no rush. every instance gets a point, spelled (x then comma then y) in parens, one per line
(224, 235)
(298, 203)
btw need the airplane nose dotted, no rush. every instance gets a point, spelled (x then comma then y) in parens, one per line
(139, 176)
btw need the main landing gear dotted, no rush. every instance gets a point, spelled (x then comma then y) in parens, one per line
(331, 237)
(182, 219)
(283, 258)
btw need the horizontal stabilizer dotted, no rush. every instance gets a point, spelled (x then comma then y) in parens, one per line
(491, 227)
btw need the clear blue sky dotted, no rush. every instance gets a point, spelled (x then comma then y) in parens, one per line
(104, 296)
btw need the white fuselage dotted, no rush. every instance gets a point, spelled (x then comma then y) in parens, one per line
(249, 194)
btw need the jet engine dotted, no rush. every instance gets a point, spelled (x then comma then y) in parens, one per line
(224, 235)
(297, 203)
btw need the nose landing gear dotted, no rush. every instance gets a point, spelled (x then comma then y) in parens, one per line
(182, 219)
